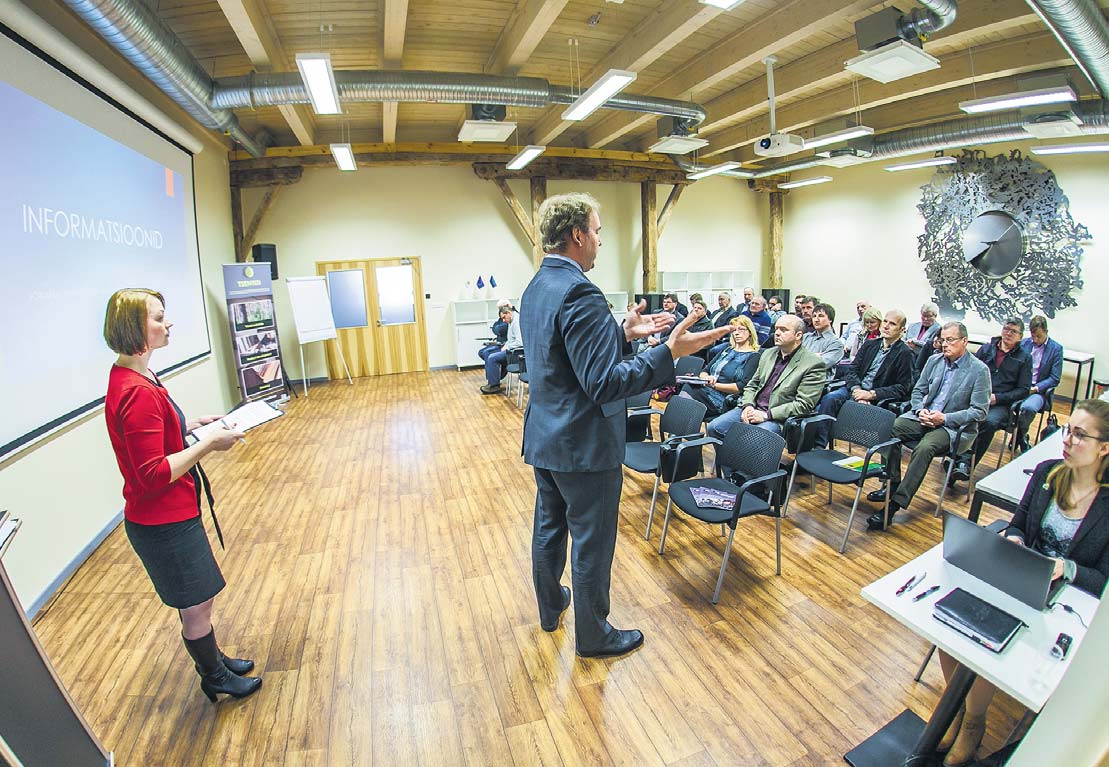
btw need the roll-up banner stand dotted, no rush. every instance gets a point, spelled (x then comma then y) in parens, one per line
(250, 314)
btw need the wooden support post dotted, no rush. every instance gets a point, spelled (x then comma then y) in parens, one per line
(538, 195)
(517, 209)
(237, 220)
(650, 236)
(777, 214)
(252, 230)
(668, 207)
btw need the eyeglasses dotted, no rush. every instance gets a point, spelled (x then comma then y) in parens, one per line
(950, 341)
(1010, 330)
(1078, 436)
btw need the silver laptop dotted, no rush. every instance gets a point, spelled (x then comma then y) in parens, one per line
(1017, 570)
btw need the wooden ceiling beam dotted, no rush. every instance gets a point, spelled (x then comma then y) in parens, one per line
(672, 23)
(1021, 55)
(787, 25)
(256, 34)
(503, 151)
(396, 22)
(525, 29)
(583, 170)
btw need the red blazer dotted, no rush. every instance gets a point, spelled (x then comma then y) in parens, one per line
(144, 429)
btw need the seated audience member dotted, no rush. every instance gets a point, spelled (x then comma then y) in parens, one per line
(670, 304)
(854, 326)
(787, 382)
(756, 311)
(920, 334)
(870, 329)
(748, 294)
(496, 362)
(774, 308)
(808, 306)
(1047, 370)
(701, 312)
(680, 310)
(500, 331)
(723, 315)
(694, 297)
(1010, 378)
(822, 340)
(1064, 514)
(729, 371)
(797, 301)
(883, 369)
(952, 391)
(926, 353)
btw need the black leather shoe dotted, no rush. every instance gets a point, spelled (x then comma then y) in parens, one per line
(961, 472)
(877, 496)
(874, 521)
(565, 603)
(487, 389)
(618, 642)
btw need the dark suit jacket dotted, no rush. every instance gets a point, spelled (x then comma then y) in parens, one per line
(575, 419)
(1089, 549)
(722, 317)
(1051, 364)
(1010, 382)
(895, 375)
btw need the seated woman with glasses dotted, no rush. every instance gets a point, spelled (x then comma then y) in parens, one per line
(1064, 515)
(729, 371)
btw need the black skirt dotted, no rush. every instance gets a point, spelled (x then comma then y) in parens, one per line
(179, 561)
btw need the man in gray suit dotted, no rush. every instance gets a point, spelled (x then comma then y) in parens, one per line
(576, 416)
(953, 390)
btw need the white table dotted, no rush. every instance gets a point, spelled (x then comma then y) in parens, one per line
(1023, 670)
(1005, 487)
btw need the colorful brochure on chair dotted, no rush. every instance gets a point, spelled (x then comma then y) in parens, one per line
(856, 462)
(710, 498)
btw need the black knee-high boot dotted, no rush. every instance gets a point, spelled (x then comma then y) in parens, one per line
(238, 666)
(215, 676)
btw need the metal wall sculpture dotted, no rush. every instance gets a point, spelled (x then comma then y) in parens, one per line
(999, 238)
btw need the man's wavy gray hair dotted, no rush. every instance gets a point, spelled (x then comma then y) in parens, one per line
(561, 214)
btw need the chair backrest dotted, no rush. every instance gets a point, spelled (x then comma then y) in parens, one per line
(682, 416)
(864, 425)
(688, 366)
(751, 451)
(639, 400)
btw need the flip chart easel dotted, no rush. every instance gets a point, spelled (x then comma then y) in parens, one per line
(314, 321)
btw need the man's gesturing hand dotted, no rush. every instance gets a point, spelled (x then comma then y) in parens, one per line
(640, 325)
(682, 344)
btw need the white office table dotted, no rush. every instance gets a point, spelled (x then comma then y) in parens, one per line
(1080, 359)
(1005, 487)
(1023, 670)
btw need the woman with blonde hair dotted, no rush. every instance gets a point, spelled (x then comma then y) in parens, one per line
(872, 325)
(161, 485)
(729, 371)
(1064, 515)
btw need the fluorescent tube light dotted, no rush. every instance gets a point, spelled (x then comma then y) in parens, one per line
(837, 136)
(1070, 148)
(612, 82)
(726, 5)
(319, 79)
(344, 156)
(712, 171)
(1058, 95)
(805, 182)
(526, 155)
(931, 161)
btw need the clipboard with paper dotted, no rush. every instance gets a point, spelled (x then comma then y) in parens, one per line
(243, 419)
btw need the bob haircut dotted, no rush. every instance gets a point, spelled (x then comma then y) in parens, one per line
(125, 320)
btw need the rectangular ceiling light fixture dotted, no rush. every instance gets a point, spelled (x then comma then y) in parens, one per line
(805, 182)
(344, 156)
(892, 62)
(930, 162)
(612, 82)
(677, 144)
(725, 5)
(713, 170)
(1070, 149)
(319, 79)
(1058, 95)
(837, 136)
(525, 156)
(486, 130)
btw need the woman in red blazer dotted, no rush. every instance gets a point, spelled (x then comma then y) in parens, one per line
(160, 485)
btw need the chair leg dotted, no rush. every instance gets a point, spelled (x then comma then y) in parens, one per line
(721, 529)
(829, 493)
(971, 483)
(777, 545)
(851, 517)
(723, 567)
(947, 479)
(651, 514)
(789, 488)
(924, 665)
(665, 526)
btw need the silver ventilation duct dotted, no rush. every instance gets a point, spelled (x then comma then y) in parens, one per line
(259, 90)
(934, 16)
(133, 29)
(1083, 31)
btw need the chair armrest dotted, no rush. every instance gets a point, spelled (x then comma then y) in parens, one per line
(837, 383)
(959, 438)
(780, 474)
(673, 440)
(809, 421)
(698, 443)
(876, 448)
(645, 410)
(894, 406)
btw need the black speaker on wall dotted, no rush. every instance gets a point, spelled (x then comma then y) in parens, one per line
(266, 252)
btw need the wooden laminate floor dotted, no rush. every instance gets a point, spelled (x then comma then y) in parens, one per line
(378, 571)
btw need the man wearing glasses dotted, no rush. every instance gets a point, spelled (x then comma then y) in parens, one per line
(953, 390)
(920, 334)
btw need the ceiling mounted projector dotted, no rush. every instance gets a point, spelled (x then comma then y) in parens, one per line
(779, 145)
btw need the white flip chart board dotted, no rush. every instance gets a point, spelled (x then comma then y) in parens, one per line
(311, 309)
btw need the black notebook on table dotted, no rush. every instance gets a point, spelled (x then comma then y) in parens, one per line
(987, 625)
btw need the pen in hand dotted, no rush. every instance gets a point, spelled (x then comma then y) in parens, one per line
(927, 592)
(224, 423)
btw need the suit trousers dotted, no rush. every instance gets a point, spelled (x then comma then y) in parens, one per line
(587, 506)
(933, 442)
(1032, 405)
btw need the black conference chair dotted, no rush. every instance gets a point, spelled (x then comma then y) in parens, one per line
(522, 381)
(1011, 426)
(688, 366)
(639, 417)
(752, 456)
(858, 424)
(512, 368)
(681, 421)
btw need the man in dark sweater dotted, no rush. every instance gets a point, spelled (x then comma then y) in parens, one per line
(883, 369)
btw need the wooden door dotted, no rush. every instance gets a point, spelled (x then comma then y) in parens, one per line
(394, 340)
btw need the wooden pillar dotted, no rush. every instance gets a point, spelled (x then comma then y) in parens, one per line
(538, 195)
(237, 221)
(256, 222)
(650, 235)
(777, 214)
(668, 207)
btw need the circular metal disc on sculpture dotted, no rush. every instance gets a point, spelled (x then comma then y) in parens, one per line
(994, 243)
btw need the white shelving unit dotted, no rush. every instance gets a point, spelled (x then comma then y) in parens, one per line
(472, 321)
(708, 284)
